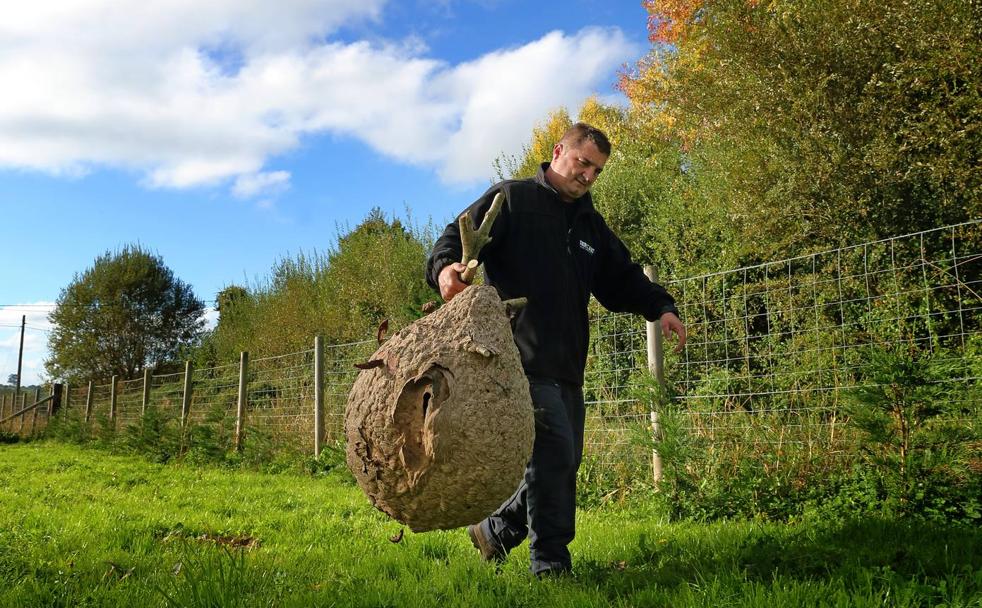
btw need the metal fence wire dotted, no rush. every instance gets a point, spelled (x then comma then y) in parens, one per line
(129, 401)
(214, 392)
(280, 397)
(773, 348)
(339, 376)
(31, 419)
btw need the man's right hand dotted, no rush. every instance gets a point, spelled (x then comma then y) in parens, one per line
(449, 280)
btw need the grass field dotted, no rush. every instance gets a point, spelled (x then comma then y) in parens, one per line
(80, 527)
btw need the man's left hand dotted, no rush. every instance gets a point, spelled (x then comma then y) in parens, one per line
(670, 324)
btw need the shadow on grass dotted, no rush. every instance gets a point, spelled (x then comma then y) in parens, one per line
(895, 549)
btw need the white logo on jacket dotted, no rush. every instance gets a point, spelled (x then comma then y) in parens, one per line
(585, 247)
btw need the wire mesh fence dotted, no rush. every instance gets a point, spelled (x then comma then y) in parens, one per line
(214, 391)
(168, 392)
(280, 397)
(339, 375)
(278, 405)
(773, 351)
(617, 417)
(774, 348)
(76, 396)
(20, 415)
(99, 402)
(778, 349)
(129, 401)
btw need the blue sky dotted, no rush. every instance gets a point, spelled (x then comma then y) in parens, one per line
(228, 134)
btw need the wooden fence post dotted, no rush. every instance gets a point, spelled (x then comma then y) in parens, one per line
(57, 394)
(23, 404)
(240, 410)
(112, 401)
(3, 405)
(318, 395)
(34, 412)
(188, 387)
(88, 403)
(65, 392)
(147, 379)
(656, 366)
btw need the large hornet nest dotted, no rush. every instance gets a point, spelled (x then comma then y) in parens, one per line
(439, 421)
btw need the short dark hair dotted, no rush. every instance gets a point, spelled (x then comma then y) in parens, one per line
(581, 131)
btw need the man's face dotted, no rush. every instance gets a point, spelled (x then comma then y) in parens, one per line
(577, 167)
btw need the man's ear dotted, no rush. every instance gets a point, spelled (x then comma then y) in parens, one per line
(556, 151)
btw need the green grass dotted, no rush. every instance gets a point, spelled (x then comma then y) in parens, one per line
(79, 527)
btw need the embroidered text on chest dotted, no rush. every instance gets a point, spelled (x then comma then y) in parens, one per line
(585, 247)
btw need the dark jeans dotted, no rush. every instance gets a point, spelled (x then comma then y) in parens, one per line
(544, 506)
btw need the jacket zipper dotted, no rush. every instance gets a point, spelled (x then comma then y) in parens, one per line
(569, 234)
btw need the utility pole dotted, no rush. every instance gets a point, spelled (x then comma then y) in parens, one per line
(20, 355)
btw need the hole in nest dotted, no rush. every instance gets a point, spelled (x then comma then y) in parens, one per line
(419, 400)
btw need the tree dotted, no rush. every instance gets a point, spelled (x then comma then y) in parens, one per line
(821, 122)
(644, 195)
(231, 300)
(233, 333)
(375, 272)
(12, 379)
(126, 312)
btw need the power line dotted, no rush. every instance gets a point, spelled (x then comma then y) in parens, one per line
(27, 326)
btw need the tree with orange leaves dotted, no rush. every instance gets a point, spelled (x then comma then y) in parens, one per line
(806, 117)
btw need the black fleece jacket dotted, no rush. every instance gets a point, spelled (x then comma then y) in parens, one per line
(555, 256)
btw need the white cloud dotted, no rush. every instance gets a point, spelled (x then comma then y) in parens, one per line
(190, 93)
(211, 318)
(255, 184)
(504, 94)
(36, 339)
(151, 27)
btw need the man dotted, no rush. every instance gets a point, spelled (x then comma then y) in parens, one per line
(551, 246)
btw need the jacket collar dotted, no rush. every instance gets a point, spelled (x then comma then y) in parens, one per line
(584, 203)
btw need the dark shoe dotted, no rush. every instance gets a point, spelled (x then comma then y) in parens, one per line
(490, 552)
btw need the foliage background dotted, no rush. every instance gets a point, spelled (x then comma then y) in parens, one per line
(755, 130)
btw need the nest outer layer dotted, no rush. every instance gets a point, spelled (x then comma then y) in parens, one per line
(440, 430)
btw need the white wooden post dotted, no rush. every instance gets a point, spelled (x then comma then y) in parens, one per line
(112, 400)
(188, 387)
(147, 379)
(241, 408)
(88, 402)
(318, 395)
(656, 367)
